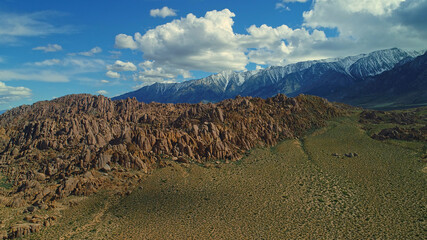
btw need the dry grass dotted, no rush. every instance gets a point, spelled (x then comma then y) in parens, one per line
(296, 190)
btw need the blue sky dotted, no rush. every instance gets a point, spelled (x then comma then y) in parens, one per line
(52, 48)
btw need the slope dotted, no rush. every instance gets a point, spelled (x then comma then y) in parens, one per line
(330, 78)
(401, 87)
(297, 189)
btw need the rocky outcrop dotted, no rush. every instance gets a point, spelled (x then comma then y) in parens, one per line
(52, 148)
(408, 125)
(407, 134)
(23, 229)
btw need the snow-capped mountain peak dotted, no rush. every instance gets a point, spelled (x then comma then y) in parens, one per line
(313, 77)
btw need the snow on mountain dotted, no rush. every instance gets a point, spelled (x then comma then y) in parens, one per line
(321, 77)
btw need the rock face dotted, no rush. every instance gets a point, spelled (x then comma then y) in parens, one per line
(52, 148)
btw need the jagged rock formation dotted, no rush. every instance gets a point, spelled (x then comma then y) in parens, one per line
(56, 148)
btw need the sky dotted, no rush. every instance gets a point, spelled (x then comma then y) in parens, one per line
(51, 48)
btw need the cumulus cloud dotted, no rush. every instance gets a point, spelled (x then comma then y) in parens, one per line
(124, 41)
(102, 92)
(42, 76)
(269, 48)
(14, 26)
(365, 26)
(209, 43)
(49, 48)
(9, 94)
(112, 74)
(120, 66)
(104, 81)
(258, 67)
(163, 12)
(152, 73)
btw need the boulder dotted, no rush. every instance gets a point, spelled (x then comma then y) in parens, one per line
(23, 229)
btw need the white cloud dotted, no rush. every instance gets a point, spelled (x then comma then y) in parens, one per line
(207, 43)
(366, 25)
(269, 48)
(164, 12)
(112, 74)
(210, 44)
(282, 4)
(14, 26)
(152, 73)
(124, 41)
(102, 92)
(42, 76)
(9, 94)
(81, 64)
(48, 62)
(115, 54)
(1, 59)
(89, 53)
(73, 64)
(104, 81)
(120, 66)
(56, 70)
(49, 48)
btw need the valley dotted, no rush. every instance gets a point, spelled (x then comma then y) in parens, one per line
(300, 188)
(149, 119)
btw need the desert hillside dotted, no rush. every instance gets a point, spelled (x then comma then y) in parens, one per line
(79, 144)
(336, 182)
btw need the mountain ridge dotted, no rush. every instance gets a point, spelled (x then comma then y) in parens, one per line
(325, 78)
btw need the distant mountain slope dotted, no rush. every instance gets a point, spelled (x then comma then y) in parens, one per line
(403, 86)
(329, 78)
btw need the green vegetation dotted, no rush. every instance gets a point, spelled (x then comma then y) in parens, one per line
(4, 183)
(299, 189)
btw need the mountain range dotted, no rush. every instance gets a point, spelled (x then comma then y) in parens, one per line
(354, 80)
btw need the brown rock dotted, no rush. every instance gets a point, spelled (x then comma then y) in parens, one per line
(106, 168)
(17, 202)
(23, 229)
(96, 133)
(103, 160)
(3, 234)
(182, 160)
(40, 176)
